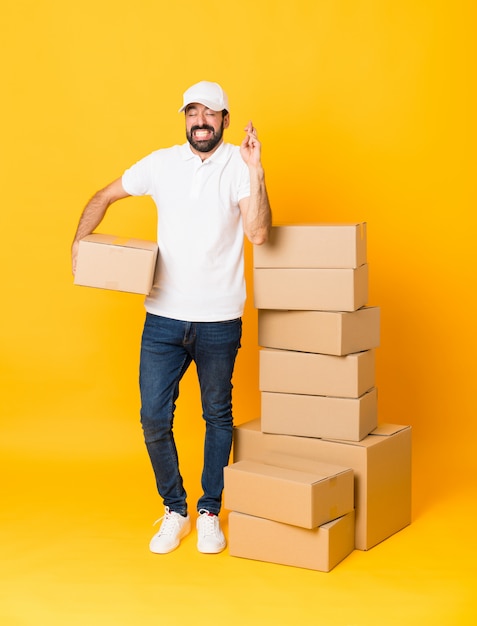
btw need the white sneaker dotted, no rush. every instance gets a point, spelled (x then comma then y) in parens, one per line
(211, 539)
(173, 528)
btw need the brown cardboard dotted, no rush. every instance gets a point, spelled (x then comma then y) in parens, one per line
(325, 332)
(286, 371)
(116, 263)
(381, 463)
(313, 245)
(318, 549)
(294, 491)
(319, 416)
(310, 289)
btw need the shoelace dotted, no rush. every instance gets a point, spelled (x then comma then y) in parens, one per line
(208, 522)
(169, 522)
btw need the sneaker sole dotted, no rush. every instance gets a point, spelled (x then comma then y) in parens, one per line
(216, 550)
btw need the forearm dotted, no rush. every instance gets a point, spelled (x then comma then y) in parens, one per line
(96, 208)
(258, 217)
(92, 215)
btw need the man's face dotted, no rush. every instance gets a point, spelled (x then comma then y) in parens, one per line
(204, 127)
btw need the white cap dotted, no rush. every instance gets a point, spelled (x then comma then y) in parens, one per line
(210, 95)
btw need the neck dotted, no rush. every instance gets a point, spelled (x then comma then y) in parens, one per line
(205, 155)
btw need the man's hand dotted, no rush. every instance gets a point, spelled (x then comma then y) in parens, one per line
(256, 213)
(74, 255)
(251, 148)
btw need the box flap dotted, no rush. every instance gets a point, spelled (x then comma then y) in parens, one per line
(301, 464)
(386, 430)
(280, 472)
(383, 430)
(254, 425)
(125, 242)
(318, 224)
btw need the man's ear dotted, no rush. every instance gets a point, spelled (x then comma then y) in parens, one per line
(227, 120)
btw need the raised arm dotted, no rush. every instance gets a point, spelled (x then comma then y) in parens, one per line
(94, 212)
(256, 212)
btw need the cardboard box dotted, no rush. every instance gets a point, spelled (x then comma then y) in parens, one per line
(320, 416)
(381, 463)
(324, 332)
(116, 263)
(285, 371)
(318, 549)
(294, 491)
(310, 289)
(313, 246)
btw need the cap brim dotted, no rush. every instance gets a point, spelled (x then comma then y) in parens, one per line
(213, 106)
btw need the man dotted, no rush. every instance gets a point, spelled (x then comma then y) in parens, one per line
(208, 195)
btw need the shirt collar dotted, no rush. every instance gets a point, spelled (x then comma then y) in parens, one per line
(219, 155)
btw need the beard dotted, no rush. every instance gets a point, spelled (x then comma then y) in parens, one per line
(205, 145)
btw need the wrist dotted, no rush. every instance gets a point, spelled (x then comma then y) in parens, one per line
(256, 169)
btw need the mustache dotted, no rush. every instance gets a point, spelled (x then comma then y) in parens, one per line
(204, 127)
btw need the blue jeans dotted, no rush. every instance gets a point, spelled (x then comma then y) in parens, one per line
(168, 347)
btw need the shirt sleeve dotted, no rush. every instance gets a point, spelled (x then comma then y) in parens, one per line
(137, 180)
(244, 182)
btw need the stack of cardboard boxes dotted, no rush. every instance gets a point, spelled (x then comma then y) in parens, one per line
(315, 476)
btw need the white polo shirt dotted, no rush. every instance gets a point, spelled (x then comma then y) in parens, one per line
(200, 268)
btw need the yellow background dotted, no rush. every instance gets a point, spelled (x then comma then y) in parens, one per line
(367, 111)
